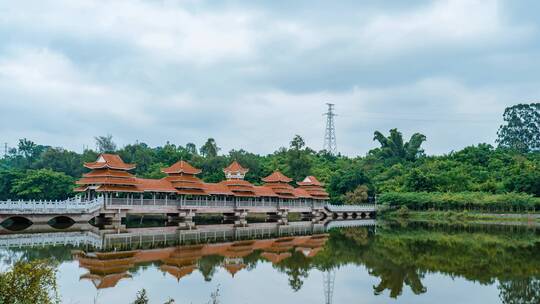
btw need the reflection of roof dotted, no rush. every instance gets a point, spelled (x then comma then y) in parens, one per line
(234, 268)
(111, 161)
(276, 257)
(181, 167)
(178, 272)
(106, 281)
(106, 269)
(277, 177)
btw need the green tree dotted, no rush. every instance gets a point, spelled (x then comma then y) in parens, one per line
(347, 180)
(191, 148)
(29, 282)
(7, 179)
(394, 148)
(61, 160)
(43, 184)
(418, 181)
(521, 130)
(210, 148)
(357, 196)
(298, 161)
(105, 144)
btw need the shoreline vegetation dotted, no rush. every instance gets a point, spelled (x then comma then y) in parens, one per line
(480, 178)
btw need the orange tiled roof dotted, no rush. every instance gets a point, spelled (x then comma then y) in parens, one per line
(310, 181)
(235, 167)
(111, 161)
(80, 188)
(277, 177)
(181, 167)
(106, 181)
(107, 188)
(217, 189)
(301, 193)
(106, 172)
(155, 185)
(264, 191)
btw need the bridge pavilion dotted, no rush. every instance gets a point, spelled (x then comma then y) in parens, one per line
(110, 177)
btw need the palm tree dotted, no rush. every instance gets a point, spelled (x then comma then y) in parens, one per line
(393, 147)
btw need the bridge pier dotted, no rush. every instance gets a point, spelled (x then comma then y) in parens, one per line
(277, 216)
(236, 215)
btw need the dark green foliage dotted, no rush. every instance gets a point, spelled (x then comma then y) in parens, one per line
(42, 184)
(394, 167)
(522, 129)
(210, 148)
(394, 149)
(478, 201)
(298, 161)
(347, 180)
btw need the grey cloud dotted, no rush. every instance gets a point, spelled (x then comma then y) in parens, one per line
(254, 74)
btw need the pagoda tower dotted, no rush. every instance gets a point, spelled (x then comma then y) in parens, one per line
(109, 173)
(235, 182)
(183, 178)
(314, 188)
(279, 183)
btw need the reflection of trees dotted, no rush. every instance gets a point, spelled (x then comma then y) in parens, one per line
(297, 268)
(207, 266)
(393, 278)
(520, 291)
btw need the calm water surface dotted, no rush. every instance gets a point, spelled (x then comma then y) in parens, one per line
(296, 263)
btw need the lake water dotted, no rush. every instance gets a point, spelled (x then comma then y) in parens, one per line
(296, 263)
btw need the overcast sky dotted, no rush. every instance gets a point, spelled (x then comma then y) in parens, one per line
(252, 74)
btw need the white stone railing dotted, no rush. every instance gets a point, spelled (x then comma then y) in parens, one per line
(75, 238)
(73, 205)
(351, 208)
(350, 223)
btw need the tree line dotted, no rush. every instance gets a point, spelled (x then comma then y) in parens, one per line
(34, 171)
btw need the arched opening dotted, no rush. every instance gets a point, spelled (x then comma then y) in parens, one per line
(345, 215)
(61, 222)
(334, 215)
(16, 223)
(354, 215)
(363, 215)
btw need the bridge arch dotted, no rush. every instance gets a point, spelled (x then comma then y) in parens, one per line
(16, 223)
(61, 222)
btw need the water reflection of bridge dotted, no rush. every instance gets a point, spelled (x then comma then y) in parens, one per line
(87, 235)
(108, 255)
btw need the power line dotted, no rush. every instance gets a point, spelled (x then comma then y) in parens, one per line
(330, 143)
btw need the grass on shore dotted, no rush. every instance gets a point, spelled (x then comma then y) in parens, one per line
(458, 216)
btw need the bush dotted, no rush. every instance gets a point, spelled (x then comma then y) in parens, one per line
(403, 211)
(475, 201)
